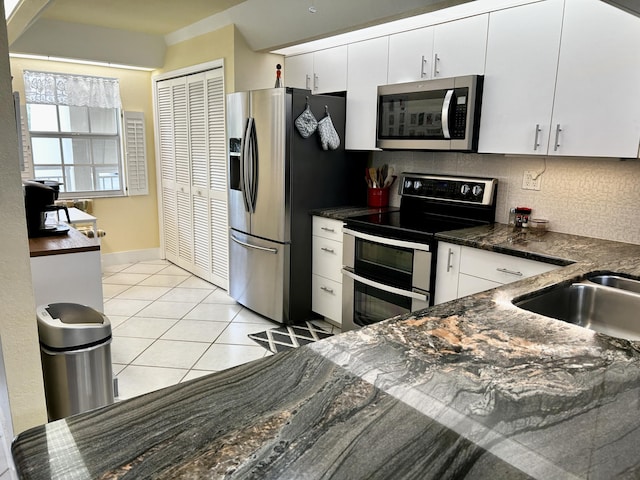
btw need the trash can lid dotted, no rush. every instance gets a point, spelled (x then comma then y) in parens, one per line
(69, 325)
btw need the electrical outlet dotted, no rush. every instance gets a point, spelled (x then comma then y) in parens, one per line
(528, 183)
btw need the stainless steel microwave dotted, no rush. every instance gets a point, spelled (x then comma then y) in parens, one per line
(440, 114)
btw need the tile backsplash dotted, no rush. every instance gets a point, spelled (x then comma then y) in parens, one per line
(594, 197)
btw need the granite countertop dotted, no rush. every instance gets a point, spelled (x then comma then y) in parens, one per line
(473, 388)
(342, 213)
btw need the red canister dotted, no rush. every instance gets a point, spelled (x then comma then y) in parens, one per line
(378, 197)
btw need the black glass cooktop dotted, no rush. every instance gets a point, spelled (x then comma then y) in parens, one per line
(407, 225)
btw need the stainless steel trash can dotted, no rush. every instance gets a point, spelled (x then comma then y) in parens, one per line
(75, 348)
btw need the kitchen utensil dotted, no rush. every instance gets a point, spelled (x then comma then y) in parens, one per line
(389, 177)
(373, 174)
(389, 181)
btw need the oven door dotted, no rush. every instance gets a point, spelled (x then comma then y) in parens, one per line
(382, 277)
(366, 302)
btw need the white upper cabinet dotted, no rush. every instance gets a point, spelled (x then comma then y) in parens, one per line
(597, 102)
(410, 55)
(444, 50)
(520, 71)
(298, 71)
(459, 47)
(562, 86)
(324, 71)
(367, 68)
(330, 70)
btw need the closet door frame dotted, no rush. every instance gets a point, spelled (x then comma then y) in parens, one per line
(204, 68)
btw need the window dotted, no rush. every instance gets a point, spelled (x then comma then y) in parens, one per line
(75, 129)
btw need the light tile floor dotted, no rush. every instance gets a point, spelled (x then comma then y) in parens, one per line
(170, 326)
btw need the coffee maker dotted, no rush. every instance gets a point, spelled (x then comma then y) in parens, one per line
(39, 198)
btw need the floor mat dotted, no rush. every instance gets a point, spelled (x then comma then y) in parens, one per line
(291, 336)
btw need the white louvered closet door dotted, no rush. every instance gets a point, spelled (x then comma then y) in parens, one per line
(192, 150)
(166, 152)
(198, 151)
(218, 207)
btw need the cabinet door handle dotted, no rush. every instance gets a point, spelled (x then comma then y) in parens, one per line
(328, 250)
(436, 59)
(307, 81)
(423, 66)
(327, 289)
(557, 144)
(316, 80)
(449, 266)
(510, 272)
(327, 229)
(536, 144)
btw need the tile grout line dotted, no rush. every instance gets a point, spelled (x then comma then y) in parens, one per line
(172, 290)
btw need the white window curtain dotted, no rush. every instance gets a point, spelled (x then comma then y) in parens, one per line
(71, 90)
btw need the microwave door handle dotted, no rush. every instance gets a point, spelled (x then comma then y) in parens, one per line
(386, 288)
(446, 108)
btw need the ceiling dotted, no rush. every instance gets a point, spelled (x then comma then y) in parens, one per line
(137, 32)
(155, 17)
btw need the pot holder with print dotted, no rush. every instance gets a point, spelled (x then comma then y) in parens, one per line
(329, 138)
(306, 123)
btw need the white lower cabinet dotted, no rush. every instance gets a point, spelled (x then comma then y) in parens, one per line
(69, 277)
(462, 271)
(326, 298)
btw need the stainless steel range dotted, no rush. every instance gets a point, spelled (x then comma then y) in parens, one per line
(389, 256)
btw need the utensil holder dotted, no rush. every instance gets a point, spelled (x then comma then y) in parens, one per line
(378, 197)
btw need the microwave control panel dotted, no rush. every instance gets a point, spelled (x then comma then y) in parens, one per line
(459, 126)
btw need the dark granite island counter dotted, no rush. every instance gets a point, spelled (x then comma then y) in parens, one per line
(473, 388)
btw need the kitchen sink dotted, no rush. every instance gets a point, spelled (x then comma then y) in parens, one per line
(599, 303)
(617, 281)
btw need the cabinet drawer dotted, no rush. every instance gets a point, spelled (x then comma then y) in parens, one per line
(468, 285)
(326, 298)
(500, 268)
(327, 228)
(327, 258)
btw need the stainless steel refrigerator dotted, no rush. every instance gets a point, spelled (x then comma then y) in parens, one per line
(276, 178)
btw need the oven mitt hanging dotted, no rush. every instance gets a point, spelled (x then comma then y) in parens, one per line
(329, 138)
(306, 123)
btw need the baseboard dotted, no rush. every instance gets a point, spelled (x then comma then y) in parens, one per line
(132, 256)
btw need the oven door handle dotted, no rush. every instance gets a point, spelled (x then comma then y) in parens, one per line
(418, 295)
(387, 241)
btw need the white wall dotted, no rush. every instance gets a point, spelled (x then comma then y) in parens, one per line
(595, 197)
(18, 331)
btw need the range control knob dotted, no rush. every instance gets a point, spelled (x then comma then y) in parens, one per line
(477, 190)
(407, 184)
(417, 184)
(465, 189)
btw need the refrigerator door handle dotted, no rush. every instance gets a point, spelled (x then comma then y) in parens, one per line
(245, 184)
(256, 247)
(253, 172)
